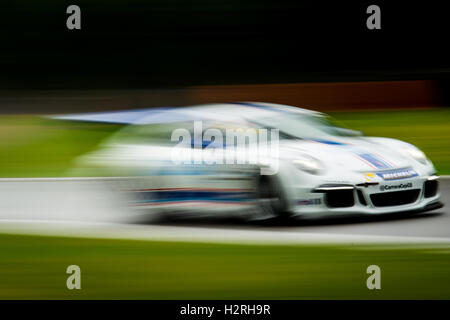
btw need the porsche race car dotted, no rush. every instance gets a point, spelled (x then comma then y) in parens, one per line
(315, 168)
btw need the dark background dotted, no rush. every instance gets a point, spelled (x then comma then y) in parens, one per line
(174, 43)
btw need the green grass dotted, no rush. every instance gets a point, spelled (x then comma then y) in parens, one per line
(33, 267)
(31, 146)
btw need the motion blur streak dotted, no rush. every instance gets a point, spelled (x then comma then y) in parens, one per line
(62, 200)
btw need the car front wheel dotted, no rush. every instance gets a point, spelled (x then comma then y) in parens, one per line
(270, 200)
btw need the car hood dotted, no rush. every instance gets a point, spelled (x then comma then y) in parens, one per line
(354, 153)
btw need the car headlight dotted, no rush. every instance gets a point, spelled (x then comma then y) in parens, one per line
(308, 164)
(415, 153)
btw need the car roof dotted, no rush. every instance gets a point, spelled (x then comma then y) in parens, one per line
(232, 112)
(256, 109)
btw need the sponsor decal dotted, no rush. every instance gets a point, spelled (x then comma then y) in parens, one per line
(368, 176)
(396, 186)
(397, 174)
(309, 202)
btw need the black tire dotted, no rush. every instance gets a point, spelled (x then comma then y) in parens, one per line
(271, 201)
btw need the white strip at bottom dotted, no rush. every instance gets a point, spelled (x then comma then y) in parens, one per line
(196, 234)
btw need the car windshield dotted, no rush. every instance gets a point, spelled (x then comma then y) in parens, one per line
(294, 126)
(291, 126)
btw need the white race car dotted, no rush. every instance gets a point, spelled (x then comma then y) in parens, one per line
(317, 169)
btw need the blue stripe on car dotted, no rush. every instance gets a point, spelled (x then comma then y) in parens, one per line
(374, 160)
(330, 142)
(368, 157)
(192, 195)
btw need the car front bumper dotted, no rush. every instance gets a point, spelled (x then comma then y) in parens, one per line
(382, 197)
